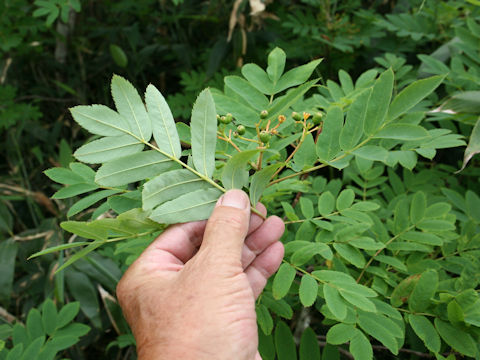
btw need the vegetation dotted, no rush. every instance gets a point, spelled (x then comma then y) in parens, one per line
(351, 127)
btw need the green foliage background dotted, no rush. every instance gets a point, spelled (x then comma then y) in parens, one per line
(397, 221)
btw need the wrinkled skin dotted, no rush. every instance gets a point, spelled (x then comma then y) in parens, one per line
(191, 294)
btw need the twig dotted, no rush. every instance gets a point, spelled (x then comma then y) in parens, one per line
(33, 237)
(8, 317)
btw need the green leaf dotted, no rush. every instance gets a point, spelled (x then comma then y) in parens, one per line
(423, 291)
(326, 203)
(286, 349)
(247, 92)
(260, 181)
(197, 205)
(418, 207)
(33, 349)
(455, 313)
(379, 101)
(284, 102)
(118, 55)
(258, 78)
(34, 324)
(305, 253)
(360, 347)
(74, 190)
(380, 328)
(403, 132)
(108, 148)
(296, 76)
(8, 253)
(422, 238)
(334, 302)
(83, 291)
(345, 81)
(130, 106)
(89, 201)
(235, 174)
(435, 226)
(425, 331)
(412, 95)
(164, 129)
(132, 168)
(266, 348)
(340, 334)
(283, 280)
(59, 247)
(358, 300)
(276, 64)
(49, 316)
(100, 120)
(305, 156)
(473, 147)
(472, 202)
(403, 290)
(309, 347)
(345, 199)
(169, 186)
(306, 206)
(242, 113)
(264, 319)
(64, 176)
(328, 145)
(80, 254)
(308, 290)
(458, 339)
(67, 313)
(85, 171)
(353, 129)
(204, 133)
(371, 152)
(350, 254)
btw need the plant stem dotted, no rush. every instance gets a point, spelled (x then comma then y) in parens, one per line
(380, 250)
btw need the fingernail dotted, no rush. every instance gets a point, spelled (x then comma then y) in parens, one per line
(235, 198)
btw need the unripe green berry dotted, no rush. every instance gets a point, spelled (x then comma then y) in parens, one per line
(224, 120)
(265, 137)
(317, 118)
(229, 118)
(296, 116)
(241, 129)
(235, 134)
(263, 114)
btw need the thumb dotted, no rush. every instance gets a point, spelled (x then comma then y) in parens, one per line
(227, 227)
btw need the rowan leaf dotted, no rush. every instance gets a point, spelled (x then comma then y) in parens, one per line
(412, 95)
(379, 101)
(197, 205)
(170, 185)
(130, 106)
(108, 148)
(163, 125)
(204, 133)
(100, 120)
(132, 168)
(425, 331)
(260, 181)
(235, 174)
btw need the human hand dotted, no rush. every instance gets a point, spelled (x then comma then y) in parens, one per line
(191, 294)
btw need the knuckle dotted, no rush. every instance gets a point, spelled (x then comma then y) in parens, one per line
(228, 219)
